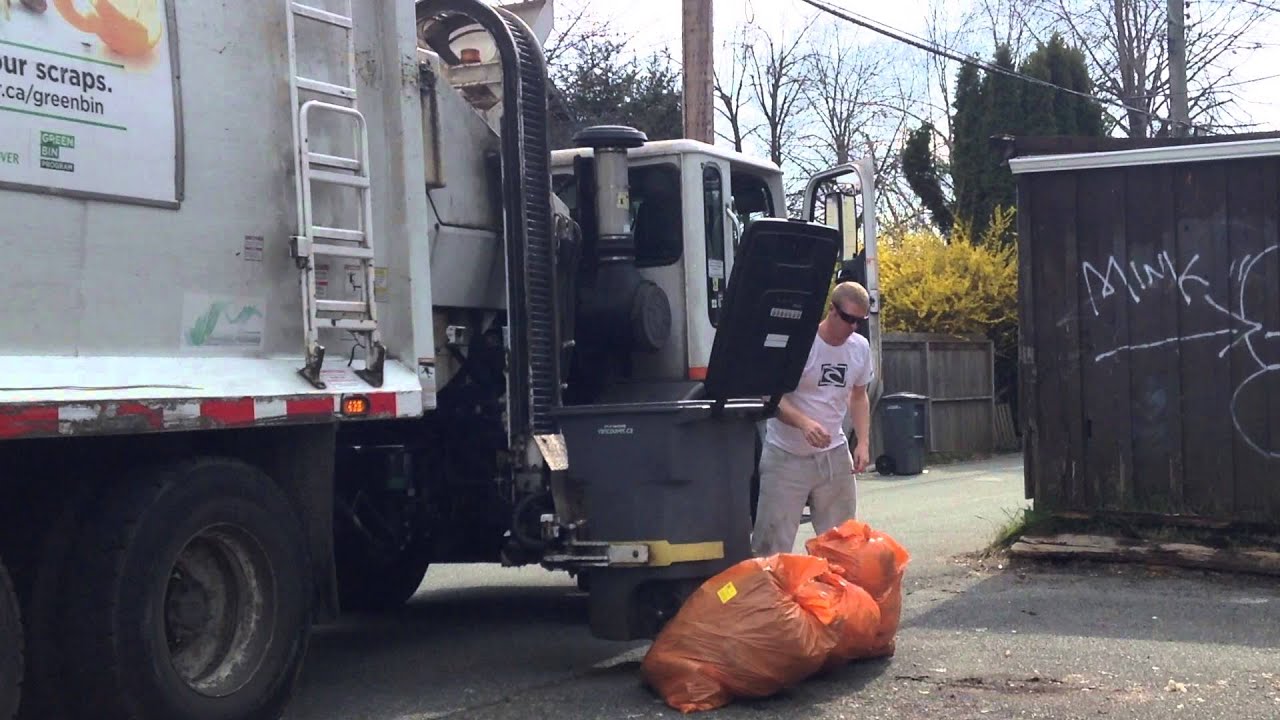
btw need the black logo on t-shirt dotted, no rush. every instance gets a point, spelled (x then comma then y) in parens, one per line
(833, 375)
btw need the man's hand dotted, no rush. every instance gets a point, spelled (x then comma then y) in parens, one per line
(816, 435)
(861, 458)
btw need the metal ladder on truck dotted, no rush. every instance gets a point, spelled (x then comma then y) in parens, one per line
(314, 241)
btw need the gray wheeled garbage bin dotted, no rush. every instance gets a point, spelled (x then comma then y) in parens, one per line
(903, 426)
(667, 483)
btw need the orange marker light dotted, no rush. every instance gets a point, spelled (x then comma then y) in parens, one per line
(355, 405)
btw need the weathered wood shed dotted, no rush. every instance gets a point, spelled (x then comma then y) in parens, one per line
(1150, 325)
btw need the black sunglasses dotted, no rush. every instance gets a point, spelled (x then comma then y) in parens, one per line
(851, 319)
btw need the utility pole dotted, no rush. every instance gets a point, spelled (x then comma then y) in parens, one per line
(1179, 111)
(699, 79)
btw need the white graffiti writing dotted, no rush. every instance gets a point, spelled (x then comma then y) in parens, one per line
(1241, 328)
(1145, 278)
(1161, 343)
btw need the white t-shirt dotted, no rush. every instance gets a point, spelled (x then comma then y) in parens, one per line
(829, 376)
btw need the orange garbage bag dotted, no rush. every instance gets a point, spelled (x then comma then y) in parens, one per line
(762, 626)
(874, 562)
(857, 620)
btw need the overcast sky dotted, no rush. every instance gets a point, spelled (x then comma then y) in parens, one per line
(656, 24)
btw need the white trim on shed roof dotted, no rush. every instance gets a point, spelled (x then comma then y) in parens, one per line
(1208, 152)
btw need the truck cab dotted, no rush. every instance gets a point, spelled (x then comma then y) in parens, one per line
(689, 205)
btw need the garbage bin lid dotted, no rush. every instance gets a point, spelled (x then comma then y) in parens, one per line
(903, 396)
(772, 306)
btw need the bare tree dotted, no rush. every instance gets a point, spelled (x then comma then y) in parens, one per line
(942, 30)
(1125, 43)
(576, 32)
(862, 98)
(849, 94)
(775, 70)
(731, 85)
(1008, 23)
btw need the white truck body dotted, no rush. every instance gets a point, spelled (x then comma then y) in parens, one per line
(103, 324)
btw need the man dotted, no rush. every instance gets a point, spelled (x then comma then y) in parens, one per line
(806, 455)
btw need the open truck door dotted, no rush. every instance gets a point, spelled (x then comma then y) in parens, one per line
(844, 197)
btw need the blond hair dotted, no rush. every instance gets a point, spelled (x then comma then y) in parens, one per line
(851, 292)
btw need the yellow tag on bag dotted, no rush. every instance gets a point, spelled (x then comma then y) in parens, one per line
(727, 593)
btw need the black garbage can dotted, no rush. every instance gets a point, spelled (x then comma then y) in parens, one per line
(903, 426)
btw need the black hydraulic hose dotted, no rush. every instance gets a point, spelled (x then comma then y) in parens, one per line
(534, 380)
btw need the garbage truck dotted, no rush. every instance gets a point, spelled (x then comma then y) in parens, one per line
(301, 302)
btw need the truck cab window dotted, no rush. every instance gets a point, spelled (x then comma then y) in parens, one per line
(751, 198)
(656, 211)
(713, 209)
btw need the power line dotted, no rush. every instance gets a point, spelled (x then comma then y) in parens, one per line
(1257, 4)
(1250, 81)
(934, 48)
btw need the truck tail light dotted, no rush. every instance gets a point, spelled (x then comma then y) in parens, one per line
(355, 405)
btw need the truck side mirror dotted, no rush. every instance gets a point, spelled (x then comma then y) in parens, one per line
(842, 213)
(839, 188)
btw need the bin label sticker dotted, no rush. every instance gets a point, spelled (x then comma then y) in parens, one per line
(727, 593)
(220, 322)
(785, 313)
(774, 340)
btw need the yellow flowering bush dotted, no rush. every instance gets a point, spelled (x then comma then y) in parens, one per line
(954, 286)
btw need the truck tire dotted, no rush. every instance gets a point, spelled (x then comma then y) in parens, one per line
(370, 592)
(41, 582)
(192, 598)
(378, 570)
(10, 648)
(379, 587)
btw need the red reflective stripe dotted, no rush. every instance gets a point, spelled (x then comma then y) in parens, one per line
(17, 421)
(309, 406)
(697, 373)
(382, 404)
(105, 417)
(153, 415)
(229, 412)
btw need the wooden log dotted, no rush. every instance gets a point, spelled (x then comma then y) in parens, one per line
(1187, 555)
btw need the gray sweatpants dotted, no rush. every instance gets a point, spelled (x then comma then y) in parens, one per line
(825, 480)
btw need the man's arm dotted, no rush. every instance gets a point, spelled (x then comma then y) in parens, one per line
(813, 431)
(860, 413)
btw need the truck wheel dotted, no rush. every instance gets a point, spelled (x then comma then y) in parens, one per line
(366, 585)
(10, 648)
(41, 581)
(192, 598)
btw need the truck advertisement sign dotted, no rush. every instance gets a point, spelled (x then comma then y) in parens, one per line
(87, 99)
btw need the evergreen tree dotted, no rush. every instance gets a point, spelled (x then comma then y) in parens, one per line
(920, 167)
(1003, 114)
(967, 144)
(1058, 112)
(995, 103)
(601, 83)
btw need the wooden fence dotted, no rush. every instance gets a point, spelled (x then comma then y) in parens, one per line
(957, 375)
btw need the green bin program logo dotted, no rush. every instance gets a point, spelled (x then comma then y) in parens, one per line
(205, 330)
(52, 146)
